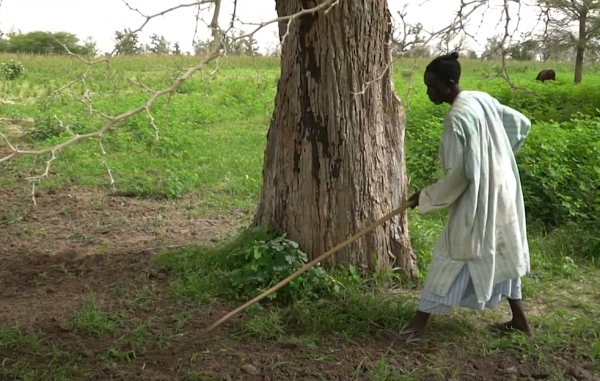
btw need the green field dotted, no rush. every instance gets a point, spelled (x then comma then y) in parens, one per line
(99, 282)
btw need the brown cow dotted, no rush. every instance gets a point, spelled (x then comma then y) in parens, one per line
(546, 75)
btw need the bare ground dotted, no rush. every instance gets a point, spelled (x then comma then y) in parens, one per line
(81, 301)
(82, 222)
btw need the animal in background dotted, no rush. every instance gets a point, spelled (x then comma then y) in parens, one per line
(546, 75)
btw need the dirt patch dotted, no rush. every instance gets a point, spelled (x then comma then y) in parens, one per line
(27, 122)
(47, 286)
(77, 240)
(14, 129)
(82, 222)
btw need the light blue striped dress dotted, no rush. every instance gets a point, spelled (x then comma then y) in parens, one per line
(462, 294)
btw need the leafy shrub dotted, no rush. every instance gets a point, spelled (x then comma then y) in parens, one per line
(244, 267)
(422, 146)
(264, 263)
(560, 171)
(12, 69)
(552, 101)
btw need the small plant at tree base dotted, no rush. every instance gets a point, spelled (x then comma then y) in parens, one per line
(12, 69)
(267, 262)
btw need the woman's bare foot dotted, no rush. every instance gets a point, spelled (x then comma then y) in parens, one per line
(513, 325)
(518, 322)
(414, 332)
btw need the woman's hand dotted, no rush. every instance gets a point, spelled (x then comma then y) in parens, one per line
(414, 199)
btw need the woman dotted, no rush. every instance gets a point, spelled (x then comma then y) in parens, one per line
(483, 252)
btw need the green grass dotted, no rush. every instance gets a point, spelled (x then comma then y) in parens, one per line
(117, 318)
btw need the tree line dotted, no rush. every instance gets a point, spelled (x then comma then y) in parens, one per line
(127, 43)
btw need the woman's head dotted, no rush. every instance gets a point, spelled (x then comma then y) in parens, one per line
(441, 78)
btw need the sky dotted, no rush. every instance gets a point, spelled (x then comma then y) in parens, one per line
(100, 19)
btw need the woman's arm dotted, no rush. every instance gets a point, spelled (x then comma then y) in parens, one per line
(516, 125)
(454, 182)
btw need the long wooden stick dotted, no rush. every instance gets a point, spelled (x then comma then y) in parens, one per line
(307, 266)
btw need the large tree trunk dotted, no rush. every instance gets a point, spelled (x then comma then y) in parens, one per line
(334, 161)
(581, 44)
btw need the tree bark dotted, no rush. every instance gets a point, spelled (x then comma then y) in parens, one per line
(581, 44)
(334, 161)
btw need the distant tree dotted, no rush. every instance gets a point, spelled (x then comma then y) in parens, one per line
(573, 23)
(127, 43)
(3, 43)
(592, 51)
(524, 50)
(159, 45)
(472, 54)
(90, 47)
(200, 47)
(232, 46)
(40, 42)
(493, 48)
(250, 46)
(555, 45)
(419, 51)
(176, 49)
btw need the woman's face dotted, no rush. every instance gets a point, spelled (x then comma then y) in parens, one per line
(438, 91)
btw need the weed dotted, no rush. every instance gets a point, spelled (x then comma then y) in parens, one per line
(12, 69)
